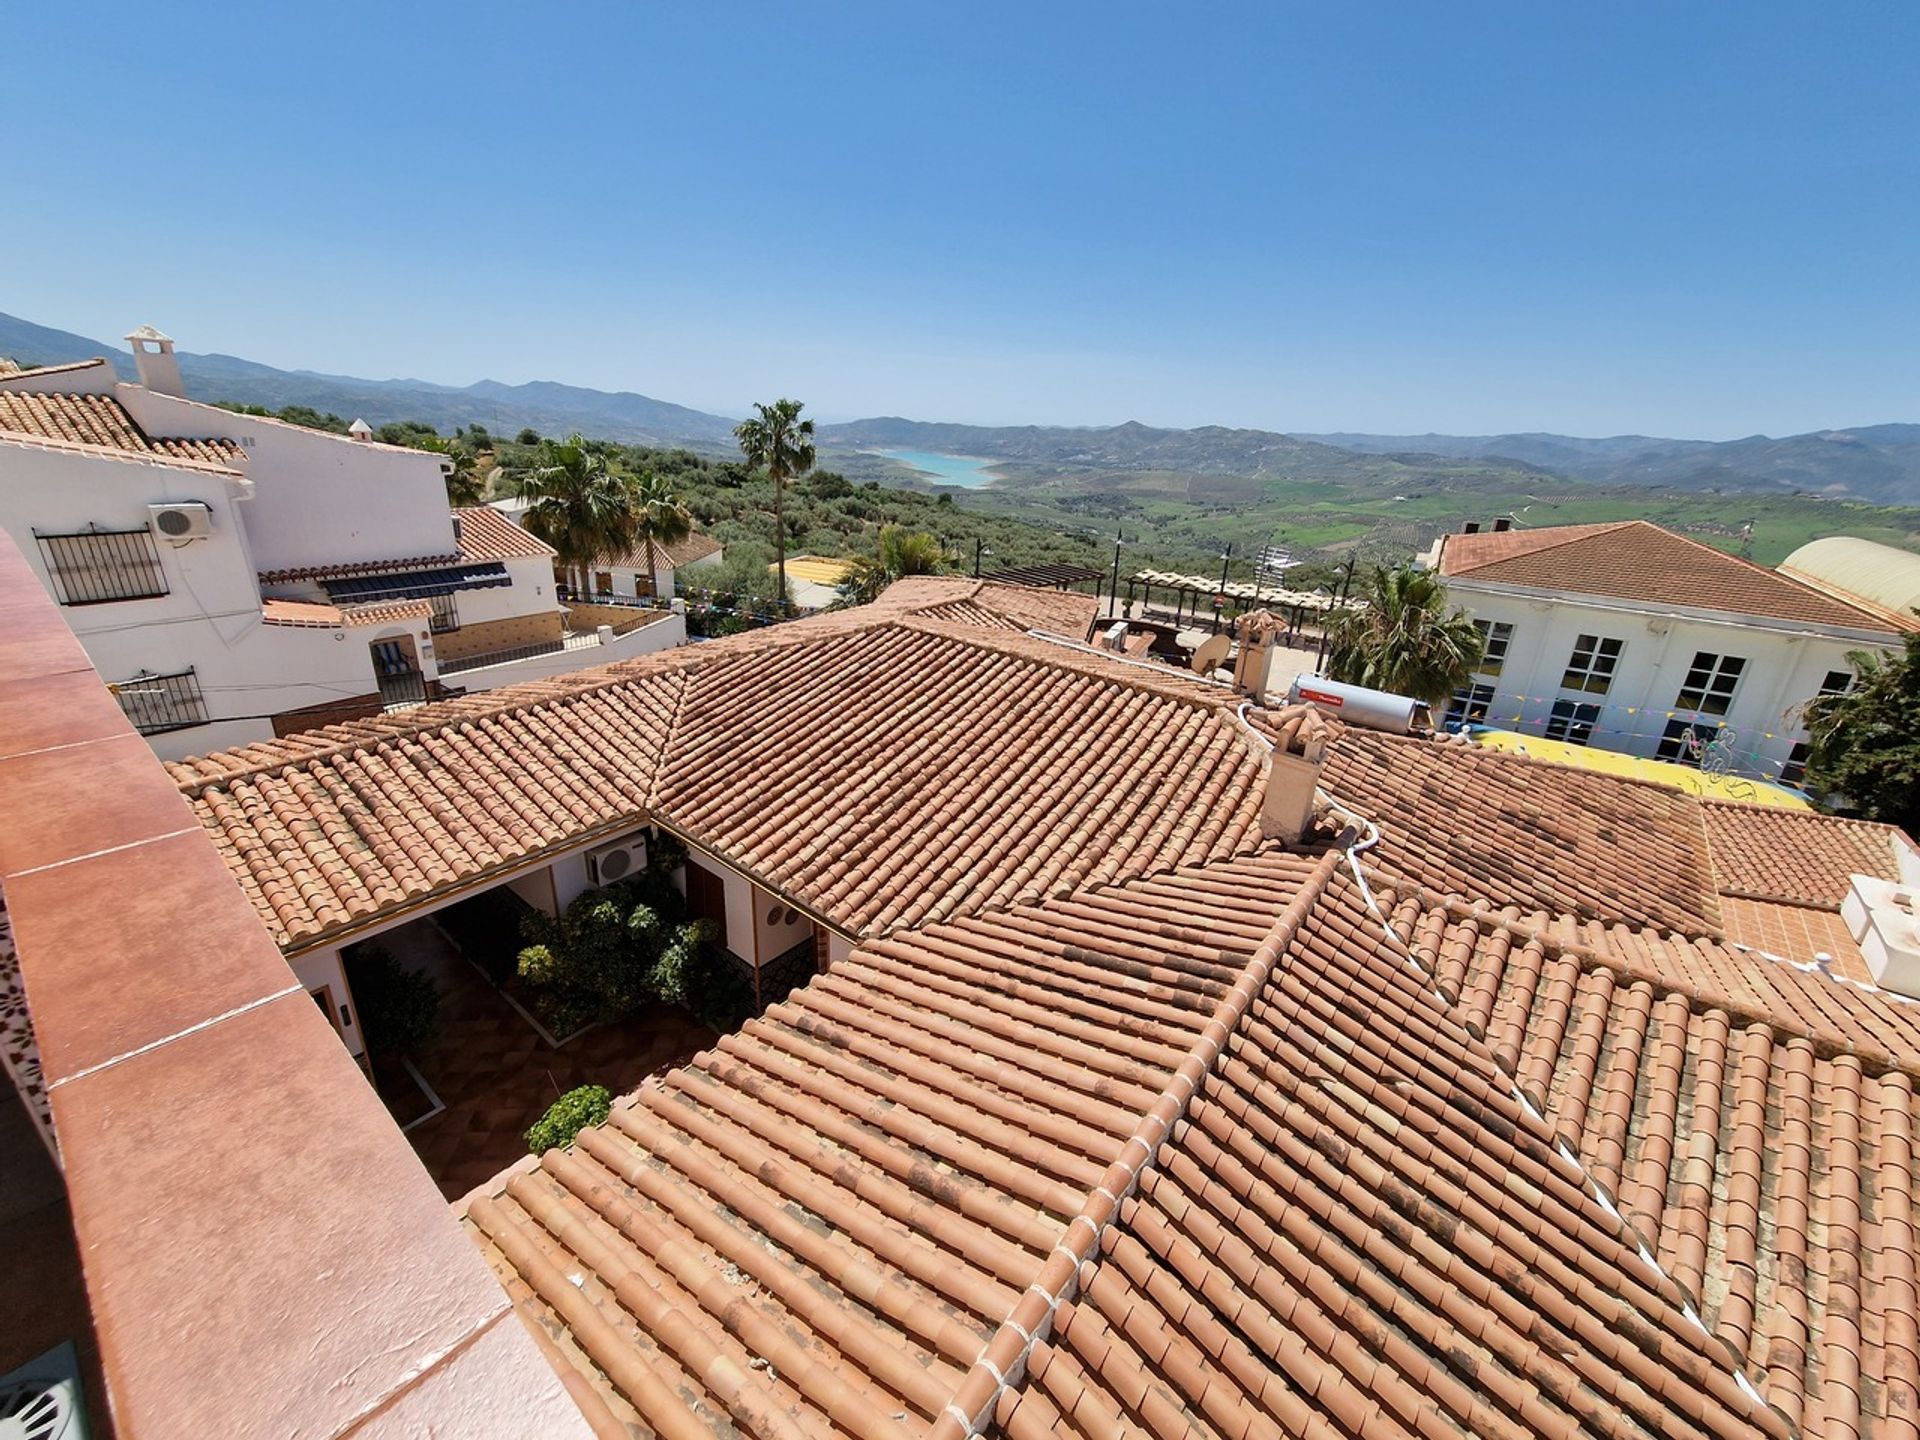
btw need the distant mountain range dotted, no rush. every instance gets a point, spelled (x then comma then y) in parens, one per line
(1877, 463)
(549, 407)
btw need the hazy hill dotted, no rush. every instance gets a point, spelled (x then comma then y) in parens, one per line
(547, 406)
(1877, 463)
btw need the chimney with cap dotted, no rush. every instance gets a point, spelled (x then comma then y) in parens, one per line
(1503, 524)
(1301, 734)
(153, 357)
(360, 430)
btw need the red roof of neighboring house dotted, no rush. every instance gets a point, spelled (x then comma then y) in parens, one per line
(1636, 560)
(102, 422)
(486, 534)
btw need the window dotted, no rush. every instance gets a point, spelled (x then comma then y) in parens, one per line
(1838, 682)
(101, 565)
(1685, 742)
(1590, 668)
(1470, 704)
(1499, 639)
(603, 582)
(1794, 772)
(158, 703)
(444, 616)
(1710, 683)
(1572, 721)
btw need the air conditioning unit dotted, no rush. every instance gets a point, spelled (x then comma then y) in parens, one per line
(184, 520)
(608, 863)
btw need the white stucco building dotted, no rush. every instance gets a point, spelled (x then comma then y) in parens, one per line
(234, 577)
(1628, 637)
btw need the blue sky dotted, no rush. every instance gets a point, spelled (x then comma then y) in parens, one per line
(1697, 219)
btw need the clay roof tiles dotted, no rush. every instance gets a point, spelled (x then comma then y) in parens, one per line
(1765, 852)
(1639, 561)
(99, 421)
(848, 1216)
(1753, 1120)
(486, 534)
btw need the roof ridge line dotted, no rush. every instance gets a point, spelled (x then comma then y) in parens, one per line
(155, 456)
(1876, 1059)
(1002, 1362)
(1535, 1113)
(1588, 532)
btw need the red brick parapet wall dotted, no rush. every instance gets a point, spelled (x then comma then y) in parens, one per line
(264, 1255)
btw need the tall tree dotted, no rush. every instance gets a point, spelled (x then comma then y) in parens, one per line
(897, 552)
(579, 505)
(1864, 750)
(778, 441)
(660, 517)
(1405, 638)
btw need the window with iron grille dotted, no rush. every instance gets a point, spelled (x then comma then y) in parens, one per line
(1498, 636)
(94, 566)
(1572, 722)
(1710, 683)
(1471, 704)
(158, 703)
(445, 614)
(1591, 666)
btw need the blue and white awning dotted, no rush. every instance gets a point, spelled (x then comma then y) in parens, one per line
(416, 584)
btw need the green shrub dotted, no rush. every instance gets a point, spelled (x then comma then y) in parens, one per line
(568, 1116)
(599, 961)
(399, 1008)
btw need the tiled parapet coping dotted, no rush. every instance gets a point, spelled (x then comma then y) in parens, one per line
(263, 1253)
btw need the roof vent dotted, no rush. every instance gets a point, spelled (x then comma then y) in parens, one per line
(1884, 918)
(360, 430)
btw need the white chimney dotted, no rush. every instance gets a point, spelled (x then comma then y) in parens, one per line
(153, 357)
(1293, 771)
(360, 430)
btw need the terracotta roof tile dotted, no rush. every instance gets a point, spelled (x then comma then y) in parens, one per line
(100, 421)
(1771, 853)
(1754, 1121)
(1636, 560)
(486, 534)
(300, 613)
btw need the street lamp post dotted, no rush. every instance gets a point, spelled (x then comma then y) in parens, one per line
(979, 549)
(1113, 599)
(1226, 558)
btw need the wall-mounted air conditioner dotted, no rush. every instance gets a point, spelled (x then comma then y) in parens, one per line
(624, 857)
(181, 520)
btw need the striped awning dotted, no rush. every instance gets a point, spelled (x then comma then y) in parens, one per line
(417, 584)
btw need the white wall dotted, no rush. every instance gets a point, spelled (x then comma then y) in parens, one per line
(319, 499)
(1786, 664)
(319, 968)
(662, 634)
(531, 593)
(210, 620)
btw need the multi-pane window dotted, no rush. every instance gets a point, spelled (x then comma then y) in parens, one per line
(1498, 636)
(95, 566)
(1572, 721)
(1794, 772)
(1685, 742)
(1470, 703)
(157, 703)
(1710, 683)
(1592, 664)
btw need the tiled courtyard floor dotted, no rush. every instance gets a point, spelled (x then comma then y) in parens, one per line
(496, 1076)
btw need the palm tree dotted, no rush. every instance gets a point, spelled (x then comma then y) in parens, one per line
(898, 552)
(580, 505)
(465, 484)
(778, 441)
(660, 517)
(1405, 639)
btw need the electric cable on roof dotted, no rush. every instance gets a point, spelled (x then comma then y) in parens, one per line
(1558, 1143)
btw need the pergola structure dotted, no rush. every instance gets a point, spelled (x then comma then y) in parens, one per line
(1057, 577)
(1238, 595)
